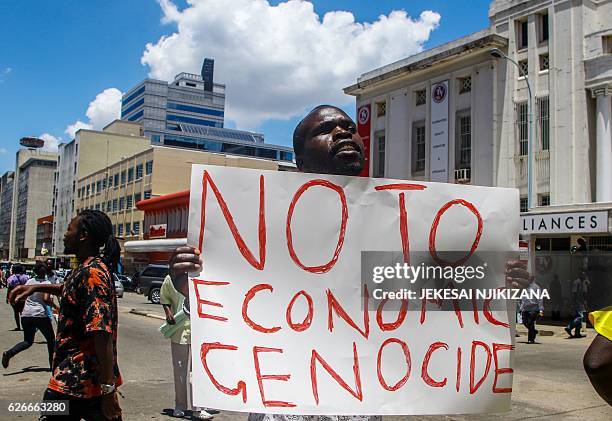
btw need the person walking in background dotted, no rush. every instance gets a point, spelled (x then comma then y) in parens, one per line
(34, 317)
(578, 291)
(531, 308)
(178, 330)
(17, 278)
(51, 275)
(85, 371)
(556, 297)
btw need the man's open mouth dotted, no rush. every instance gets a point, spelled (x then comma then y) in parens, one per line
(346, 147)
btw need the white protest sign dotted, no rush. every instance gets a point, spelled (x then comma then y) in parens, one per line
(277, 319)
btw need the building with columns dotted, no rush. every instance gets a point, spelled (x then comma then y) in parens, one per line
(524, 103)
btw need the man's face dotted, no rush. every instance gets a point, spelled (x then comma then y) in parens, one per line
(331, 144)
(72, 237)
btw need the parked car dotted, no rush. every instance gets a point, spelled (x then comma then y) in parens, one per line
(126, 281)
(118, 287)
(150, 279)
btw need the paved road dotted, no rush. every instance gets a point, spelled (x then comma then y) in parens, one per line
(549, 381)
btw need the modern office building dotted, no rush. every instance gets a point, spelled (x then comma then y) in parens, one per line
(189, 112)
(88, 152)
(460, 113)
(154, 172)
(6, 209)
(32, 199)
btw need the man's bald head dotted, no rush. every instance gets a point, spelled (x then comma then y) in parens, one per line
(326, 142)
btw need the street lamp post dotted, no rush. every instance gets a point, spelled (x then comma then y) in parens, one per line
(497, 53)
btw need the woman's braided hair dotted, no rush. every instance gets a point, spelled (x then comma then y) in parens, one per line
(100, 229)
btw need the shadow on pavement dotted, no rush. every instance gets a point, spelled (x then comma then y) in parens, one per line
(30, 369)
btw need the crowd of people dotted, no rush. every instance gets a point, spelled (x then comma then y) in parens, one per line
(83, 351)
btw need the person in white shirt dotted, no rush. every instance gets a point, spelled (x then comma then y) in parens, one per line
(34, 317)
(531, 308)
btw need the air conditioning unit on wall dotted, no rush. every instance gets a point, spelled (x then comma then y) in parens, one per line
(463, 175)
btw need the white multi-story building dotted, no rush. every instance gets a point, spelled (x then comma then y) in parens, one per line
(460, 113)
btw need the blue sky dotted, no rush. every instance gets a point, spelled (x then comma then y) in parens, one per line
(57, 56)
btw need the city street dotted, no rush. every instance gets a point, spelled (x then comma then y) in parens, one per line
(549, 382)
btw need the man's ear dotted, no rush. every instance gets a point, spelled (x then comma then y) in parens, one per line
(299, 161)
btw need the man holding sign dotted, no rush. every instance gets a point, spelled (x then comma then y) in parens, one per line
(326, 142)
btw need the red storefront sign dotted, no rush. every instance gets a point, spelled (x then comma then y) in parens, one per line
(157, 231)
(363, 128)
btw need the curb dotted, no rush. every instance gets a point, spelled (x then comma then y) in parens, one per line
(145, 314)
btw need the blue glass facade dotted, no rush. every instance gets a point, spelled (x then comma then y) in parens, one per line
(199, 110)
(198, 121)
(136, 116)
(226, 147)
(132, 96)
(132, 107)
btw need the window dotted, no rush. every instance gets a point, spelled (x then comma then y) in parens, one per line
(110, 181)
(104, 183)
(192, 109)
(120, 232)
(97, 207)
(544, 62)
(544, 199)
(191, 120)
(108, 206)
(136, 228)
(606, 44)
(155, 138)
(463, 140)
(149, 167)
(544, 27)
(130, 201)
(123, 177)
(155, 272)
(79, 193)
(114, 229)
(544, 122)
(102, 207)
(121, 203)
(98, 186)
(465, 84)
(522, 34)
(418, 147)
(421, 97)
(381, 109)
(379, 155)
(138, 171)
(116, 180)
(147, 194)
(137, 197)
(115, 205)
(524, 203)
(128, 228)
(522, 127)
(523, 68)
(131, 174)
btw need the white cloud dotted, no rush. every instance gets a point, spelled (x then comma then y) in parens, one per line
(3, 151)
(105, 108)
(76, 126)
(279, 60)
(51, 142)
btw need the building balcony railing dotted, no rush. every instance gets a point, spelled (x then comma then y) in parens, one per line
(463, 175)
